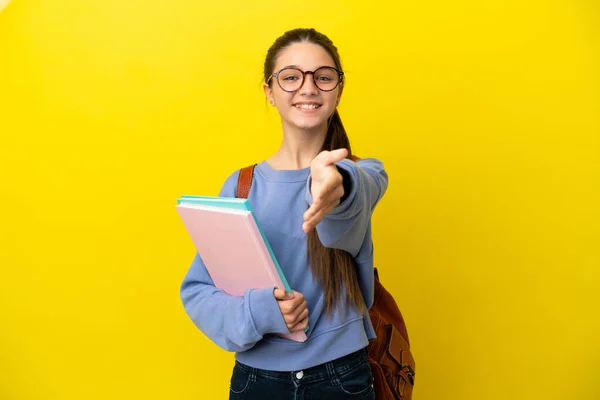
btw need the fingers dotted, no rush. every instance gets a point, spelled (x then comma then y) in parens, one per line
(326, 196)
(282, 294)
(294, 306)
(318, 211)
(291, 304)
(293, 310)
(297, 295)
(292, 318)
(327, 187)
(300, 326)
(330, 157)
(332, 197)
(314, 220)
(332, 183)
(318, 217)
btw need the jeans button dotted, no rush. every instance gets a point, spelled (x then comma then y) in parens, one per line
(299, 375)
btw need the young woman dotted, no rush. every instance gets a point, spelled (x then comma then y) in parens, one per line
(314, 204)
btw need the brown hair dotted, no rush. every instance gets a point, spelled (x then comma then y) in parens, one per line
(333, 267)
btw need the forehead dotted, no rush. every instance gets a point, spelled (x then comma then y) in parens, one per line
(307, 56)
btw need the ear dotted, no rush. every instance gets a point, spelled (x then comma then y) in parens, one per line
(269, 94)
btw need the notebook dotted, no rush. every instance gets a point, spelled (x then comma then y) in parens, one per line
(236, 204)
(231, 244)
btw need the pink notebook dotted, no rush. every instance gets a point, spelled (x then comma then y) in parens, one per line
(233, 250)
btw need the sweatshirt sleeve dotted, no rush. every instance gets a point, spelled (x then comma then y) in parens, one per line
(346, 225)
(235, 323)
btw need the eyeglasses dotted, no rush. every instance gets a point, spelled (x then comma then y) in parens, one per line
(291, 79)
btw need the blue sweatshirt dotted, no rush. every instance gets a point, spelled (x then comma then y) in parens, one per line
(246, 324)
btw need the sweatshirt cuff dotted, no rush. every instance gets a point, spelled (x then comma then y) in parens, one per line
(265, 312)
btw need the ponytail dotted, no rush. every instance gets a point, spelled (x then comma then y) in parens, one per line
(334, 267)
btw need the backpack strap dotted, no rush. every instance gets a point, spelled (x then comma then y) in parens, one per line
(245, 181)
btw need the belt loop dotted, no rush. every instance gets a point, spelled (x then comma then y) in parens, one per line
(332, 374)
(252, 374)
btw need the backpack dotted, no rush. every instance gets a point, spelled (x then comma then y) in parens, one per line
(392, 363)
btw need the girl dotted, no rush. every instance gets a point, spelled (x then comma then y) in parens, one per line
(314, 204)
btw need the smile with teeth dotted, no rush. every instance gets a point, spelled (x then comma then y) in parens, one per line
(307, 106)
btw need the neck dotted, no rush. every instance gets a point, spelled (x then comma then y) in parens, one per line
(298, 148)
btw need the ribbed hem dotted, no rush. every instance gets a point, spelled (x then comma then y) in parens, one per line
(278, 354)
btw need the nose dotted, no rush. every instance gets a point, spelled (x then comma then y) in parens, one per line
(308, 86)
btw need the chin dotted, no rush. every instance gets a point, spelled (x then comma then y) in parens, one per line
(308, 122)
(309, 125)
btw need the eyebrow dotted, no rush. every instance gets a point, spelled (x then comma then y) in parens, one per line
(297, 66)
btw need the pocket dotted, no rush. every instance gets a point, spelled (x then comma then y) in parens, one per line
(240, 379)
(358, 381)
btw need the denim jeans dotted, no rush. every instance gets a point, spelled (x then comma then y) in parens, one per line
(348, 377)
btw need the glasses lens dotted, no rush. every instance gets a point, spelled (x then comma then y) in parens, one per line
(290, 79)
(326, 78)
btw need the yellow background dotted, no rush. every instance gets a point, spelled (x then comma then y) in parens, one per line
(486, 114)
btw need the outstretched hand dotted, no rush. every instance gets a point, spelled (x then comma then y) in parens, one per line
(327, 187)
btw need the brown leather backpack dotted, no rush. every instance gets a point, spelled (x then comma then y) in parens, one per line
(391, 360)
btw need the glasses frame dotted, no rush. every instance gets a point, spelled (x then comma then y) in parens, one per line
(304, 73)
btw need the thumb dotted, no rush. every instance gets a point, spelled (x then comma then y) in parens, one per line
(336, 155)
(282, 294)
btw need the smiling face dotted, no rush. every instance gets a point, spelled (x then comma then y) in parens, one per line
(307, 108)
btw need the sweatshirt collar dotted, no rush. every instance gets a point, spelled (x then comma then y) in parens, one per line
(283, 175)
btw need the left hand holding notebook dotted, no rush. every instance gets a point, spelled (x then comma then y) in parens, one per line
(326, 187)
(294, 309)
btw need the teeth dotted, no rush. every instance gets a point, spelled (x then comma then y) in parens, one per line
(307, 106)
